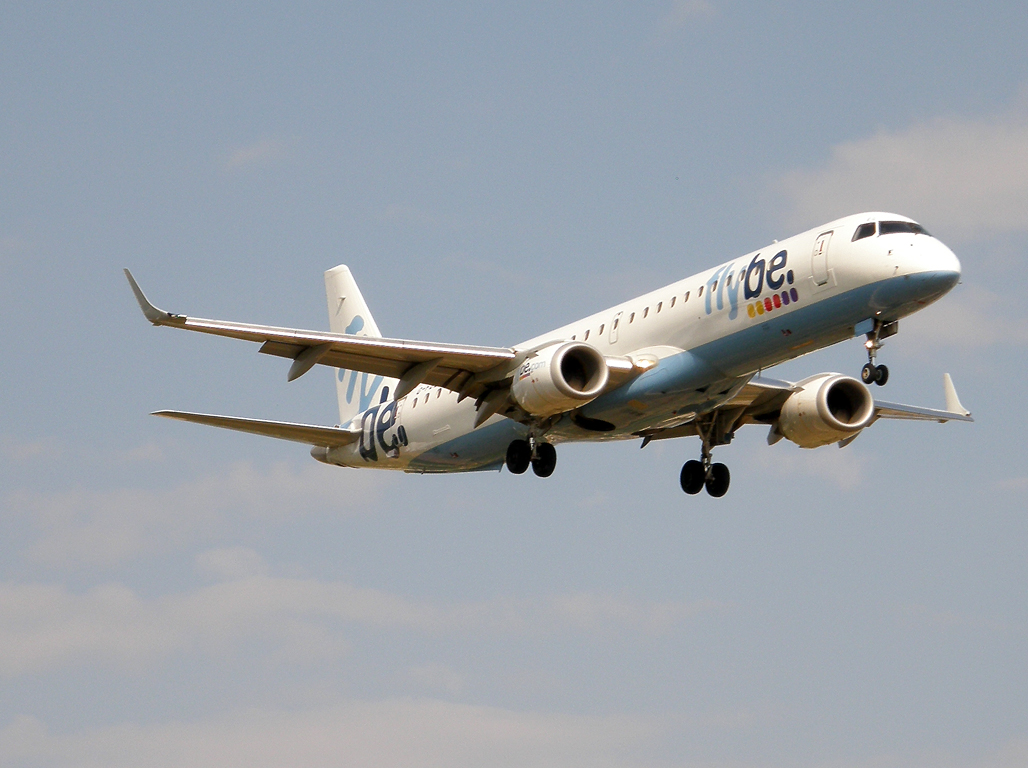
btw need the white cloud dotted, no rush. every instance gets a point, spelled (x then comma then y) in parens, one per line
(590, 612)
(844, 467)
(45, 626)
(259, 152)
(923, 617)
(417, 733)
(14, 449)
(682, 13)
(1014, 484)
(102, 528)
(961, 175)
(147, 453)
(972, 318)
(231, 563)
(437, 677)
(398, 732)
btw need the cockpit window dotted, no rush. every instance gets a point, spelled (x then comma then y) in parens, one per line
(864, 230)
(900, 227)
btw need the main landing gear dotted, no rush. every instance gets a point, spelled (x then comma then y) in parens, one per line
(522, 453)
(697, 475)
(871, 373)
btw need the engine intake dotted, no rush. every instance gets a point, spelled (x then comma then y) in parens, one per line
(560, 377)
(829, 408)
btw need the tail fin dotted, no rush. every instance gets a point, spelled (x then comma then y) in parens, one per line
(348, 313)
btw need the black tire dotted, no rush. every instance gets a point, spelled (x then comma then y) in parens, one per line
(868, 374)
(545, 460)
(718, 481)
(881, 375)
(519, 456)
(692, 477)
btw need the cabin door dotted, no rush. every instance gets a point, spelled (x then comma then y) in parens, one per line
(819, 259)
(614, 324)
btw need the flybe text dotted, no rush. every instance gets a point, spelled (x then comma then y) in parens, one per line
(751, 281)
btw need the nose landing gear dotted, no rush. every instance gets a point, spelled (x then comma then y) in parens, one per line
(871, 373)
(874, 374)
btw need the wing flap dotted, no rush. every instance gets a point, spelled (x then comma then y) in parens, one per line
(309, 434)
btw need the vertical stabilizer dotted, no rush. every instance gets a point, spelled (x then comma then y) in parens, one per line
(348, 313)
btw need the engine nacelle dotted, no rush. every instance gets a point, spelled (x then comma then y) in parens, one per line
(829, 408)
(560, 377)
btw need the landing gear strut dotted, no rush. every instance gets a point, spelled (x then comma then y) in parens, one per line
(697, 475)
(871, 373)
(521, 454)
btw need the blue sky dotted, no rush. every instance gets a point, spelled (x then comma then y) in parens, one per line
(172, 595)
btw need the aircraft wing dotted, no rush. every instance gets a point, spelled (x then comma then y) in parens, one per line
(328, 437)
(465, 369)
(764, 397)
(760, 400)
(483, 373)
(954, 410)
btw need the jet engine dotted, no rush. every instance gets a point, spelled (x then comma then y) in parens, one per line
(829, 408)
(559, 377)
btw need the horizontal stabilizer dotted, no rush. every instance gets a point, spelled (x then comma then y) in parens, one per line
(310, 434)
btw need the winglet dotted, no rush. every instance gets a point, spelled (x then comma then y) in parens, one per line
(154, 315)
(952, 401)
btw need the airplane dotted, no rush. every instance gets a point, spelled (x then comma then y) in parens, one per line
(684, 360)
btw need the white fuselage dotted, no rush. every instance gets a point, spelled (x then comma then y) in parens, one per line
(701, 336)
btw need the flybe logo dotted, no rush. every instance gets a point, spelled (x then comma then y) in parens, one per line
(366, 393)
(751, 281)
(375, 424)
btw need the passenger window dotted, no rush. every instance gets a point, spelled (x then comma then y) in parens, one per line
(414, 403)
(573, 336)
(714, 286)
(631, 318)
(686, 297)
(673, 300)
(864, 230)
(586, 337)
(617, 322)
(729, 280)
(700, 291)
(600, 332)
(659, 305)
(646, 312)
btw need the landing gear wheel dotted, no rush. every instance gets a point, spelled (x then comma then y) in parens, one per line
(519, 456)
(718, 480)
(545, 460)
(874, 374)
(692, 477)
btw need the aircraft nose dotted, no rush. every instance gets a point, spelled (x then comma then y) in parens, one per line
(945, 260)
(943, 266)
